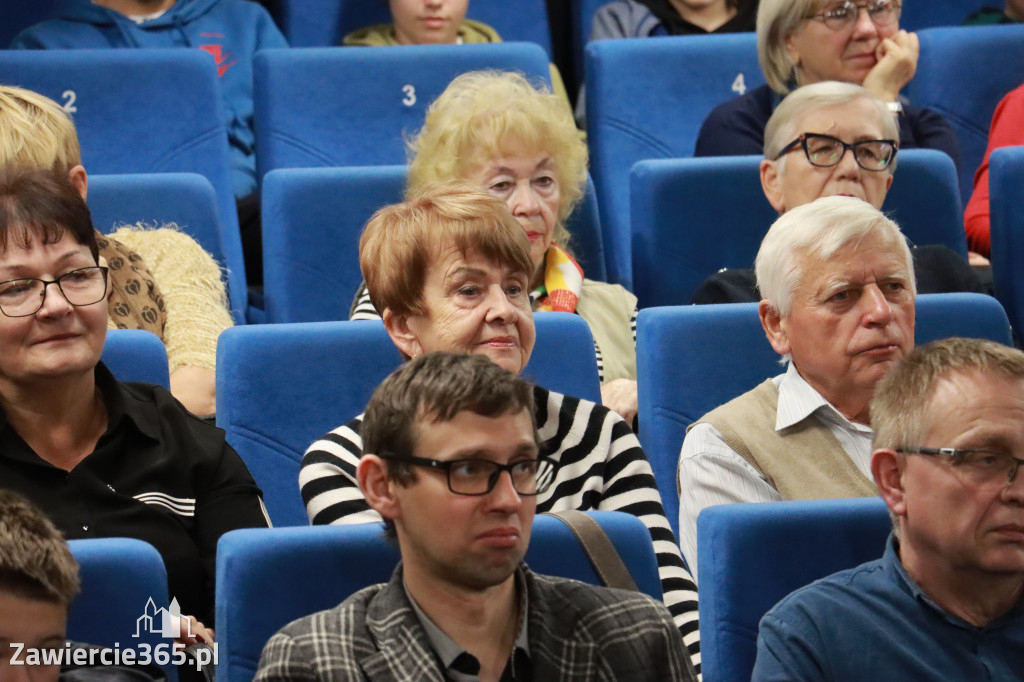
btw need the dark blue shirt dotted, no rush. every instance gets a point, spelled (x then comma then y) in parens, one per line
(874, 623)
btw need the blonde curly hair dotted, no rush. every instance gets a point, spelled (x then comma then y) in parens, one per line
(483, 115)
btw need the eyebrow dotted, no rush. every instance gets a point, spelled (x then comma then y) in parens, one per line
(63, 258)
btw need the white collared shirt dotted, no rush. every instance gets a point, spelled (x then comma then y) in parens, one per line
(710, 472)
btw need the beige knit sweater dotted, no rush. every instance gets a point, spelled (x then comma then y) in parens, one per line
(193, 290)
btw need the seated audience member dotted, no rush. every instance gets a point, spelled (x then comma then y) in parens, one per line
(806, 142)
(450, 269)
(102, 458)
(161, 280)
(646, 18)
(800, 42)
(1012, 13)
(440, 432)
(1007, 131)
(498, 132)
(231, 31)
(38, 581)
(433, 22)
(946, 600)
(837, 282)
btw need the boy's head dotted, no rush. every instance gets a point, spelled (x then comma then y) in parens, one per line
(427, 22)
(38, 580)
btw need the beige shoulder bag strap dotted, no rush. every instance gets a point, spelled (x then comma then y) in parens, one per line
(599, 549)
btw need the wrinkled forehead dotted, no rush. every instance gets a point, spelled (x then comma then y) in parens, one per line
(850, 121)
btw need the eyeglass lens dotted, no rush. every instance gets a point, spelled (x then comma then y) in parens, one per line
(22, 297)
(827, 151)
(844, 14)
(478, 477)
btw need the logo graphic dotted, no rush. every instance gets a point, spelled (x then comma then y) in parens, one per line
(221, 59)
(164, 622)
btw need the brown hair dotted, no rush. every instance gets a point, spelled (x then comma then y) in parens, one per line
(35, 201)
(35, 562)
(400, 242)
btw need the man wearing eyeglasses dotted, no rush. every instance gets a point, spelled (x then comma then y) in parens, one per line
(802, 42)
(946, 600)
(837, 285)
(455, 475)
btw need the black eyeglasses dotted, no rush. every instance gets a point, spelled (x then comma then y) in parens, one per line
(982, 467)
(479, 476)
(825, 151)
(842, 15)
(24, 297)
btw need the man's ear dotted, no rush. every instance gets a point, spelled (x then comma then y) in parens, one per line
(401, 333)
(80, 180)
(887, 468)
(773, 327)
(771, 183)
(377, 487)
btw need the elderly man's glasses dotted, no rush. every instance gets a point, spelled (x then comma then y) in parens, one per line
(981, 467)
(840, 16)
(826, 151)
(24, 297)
(479, 476)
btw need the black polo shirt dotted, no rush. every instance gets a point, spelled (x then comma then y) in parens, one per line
(158, 474)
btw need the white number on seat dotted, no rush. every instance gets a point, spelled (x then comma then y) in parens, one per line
(69, 101)
(739, 86)
(410, 95)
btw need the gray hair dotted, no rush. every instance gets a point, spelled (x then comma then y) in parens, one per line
(776, 19)
(781, 127)
(819, 229)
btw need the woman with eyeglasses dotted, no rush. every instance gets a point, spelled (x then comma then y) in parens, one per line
(450, 270)
(102, 458)
(800, 42)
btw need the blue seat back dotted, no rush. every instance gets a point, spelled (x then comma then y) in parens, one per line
(582, 21)
(345, 107)
(752, 555)
(646, 99)
(186, 199)
(136, 355)
(691, 359)
(282, 386)
(312, 221)
(727, 215)
(119, 576)
(261, 587)
(174, 123)
(963, 73)
(322, 23)
(918, 15)
(1006, 216)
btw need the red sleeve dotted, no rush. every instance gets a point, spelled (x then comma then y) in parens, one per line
(1007, 130)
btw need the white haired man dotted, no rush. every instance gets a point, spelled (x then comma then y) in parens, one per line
(946, 600)
(837, 284)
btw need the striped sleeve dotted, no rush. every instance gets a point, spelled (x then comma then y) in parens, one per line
(327, 479)
(603, 467)
(362, 306)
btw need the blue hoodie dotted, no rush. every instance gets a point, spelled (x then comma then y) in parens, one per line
(230, 30)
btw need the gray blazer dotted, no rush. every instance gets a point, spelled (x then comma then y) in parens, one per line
(577, 633)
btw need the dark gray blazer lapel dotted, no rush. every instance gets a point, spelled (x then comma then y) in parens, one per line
(402, 650)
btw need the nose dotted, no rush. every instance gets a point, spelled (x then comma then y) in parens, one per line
(877, 310)
(864, 25)
(500, 309)
(54, 301)
(504, 496)
(523, 201)
(848, 167)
